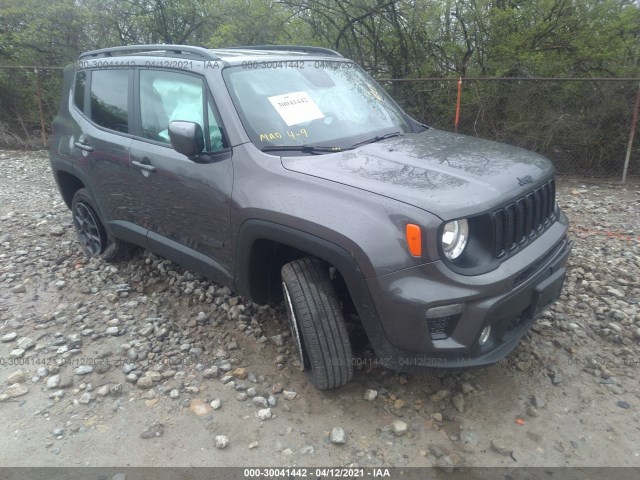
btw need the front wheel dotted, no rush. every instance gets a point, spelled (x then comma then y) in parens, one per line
(317, 323)
(92, 236)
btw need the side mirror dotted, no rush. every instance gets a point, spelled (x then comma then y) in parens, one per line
(186, 137)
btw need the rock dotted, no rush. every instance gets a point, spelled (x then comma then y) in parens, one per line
(211, 372)
(466, 388)
(56, 231)
(9, 337)
(145, 382)
(500, 449)
(289, 394)
(57, 394)
(438, 450)
(146, 330)
(53, 382)
(16, 353)
(199, 407)
(399, 428)
(615, 389)
(57, 431)
(437, 417)
(174, 393)
(370, 395)
(253, 445)
(154, 430)
(251, 391)
(277, 388)
(83, 370)
(260, 402)
(16, 390)
(615, 292)
(272, 401)
(19, 289)
(440, 395)
(264, 414)
(128, 367)
(448, 463)
(307, 450)
(242, 396)
(531, 411)
(457, 400)
(103, 391)
(240, 373)
(26, 343)
(216, 404)
(338, 436)
(85, 398)
(17, 377)
(113, 331)
(623, 404)
(538, 401)
(221, 441)
(278, 340)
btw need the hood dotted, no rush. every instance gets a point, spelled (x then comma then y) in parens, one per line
(449, 175)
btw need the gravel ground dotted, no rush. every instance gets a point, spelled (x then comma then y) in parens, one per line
(146, 364)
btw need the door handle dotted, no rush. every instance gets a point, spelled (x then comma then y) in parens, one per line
(143, 166)
(83, 146)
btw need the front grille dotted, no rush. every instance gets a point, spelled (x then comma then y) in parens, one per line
(524, 219)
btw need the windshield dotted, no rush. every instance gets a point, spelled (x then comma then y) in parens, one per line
(312, 103)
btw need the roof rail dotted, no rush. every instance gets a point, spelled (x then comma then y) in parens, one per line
(174, 49)
(291, 48)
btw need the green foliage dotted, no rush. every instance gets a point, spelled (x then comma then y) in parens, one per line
(33, 32)
(392, 39)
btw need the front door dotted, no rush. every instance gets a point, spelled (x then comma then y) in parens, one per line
(184, 205)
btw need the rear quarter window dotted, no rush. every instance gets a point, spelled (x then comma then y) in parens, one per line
(79, 90)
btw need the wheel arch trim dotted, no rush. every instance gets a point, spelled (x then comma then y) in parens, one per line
(254, 230)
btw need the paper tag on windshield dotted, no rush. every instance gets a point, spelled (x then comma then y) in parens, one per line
(296, 107)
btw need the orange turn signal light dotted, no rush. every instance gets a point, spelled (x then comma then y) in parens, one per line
(414, 239)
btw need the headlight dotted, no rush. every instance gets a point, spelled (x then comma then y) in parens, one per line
(454, 238)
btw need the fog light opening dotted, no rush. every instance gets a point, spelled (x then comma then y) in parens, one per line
(484, 335)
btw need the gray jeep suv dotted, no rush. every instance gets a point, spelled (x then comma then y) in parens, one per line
(287, 173)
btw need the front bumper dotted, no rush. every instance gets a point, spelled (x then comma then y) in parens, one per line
(508, 298)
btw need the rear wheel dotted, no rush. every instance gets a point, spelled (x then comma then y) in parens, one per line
(317, 323)
(92, 236)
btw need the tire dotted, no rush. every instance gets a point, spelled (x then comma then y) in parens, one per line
(92, 236)
(317, 323)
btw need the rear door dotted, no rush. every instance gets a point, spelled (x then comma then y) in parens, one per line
(101, 146)
(184, 205)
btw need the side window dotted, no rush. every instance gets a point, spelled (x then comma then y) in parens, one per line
(168, 96)
(110, 99)
(79, 89)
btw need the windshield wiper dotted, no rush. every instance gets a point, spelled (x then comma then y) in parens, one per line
(377, 138)
(300, 148)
